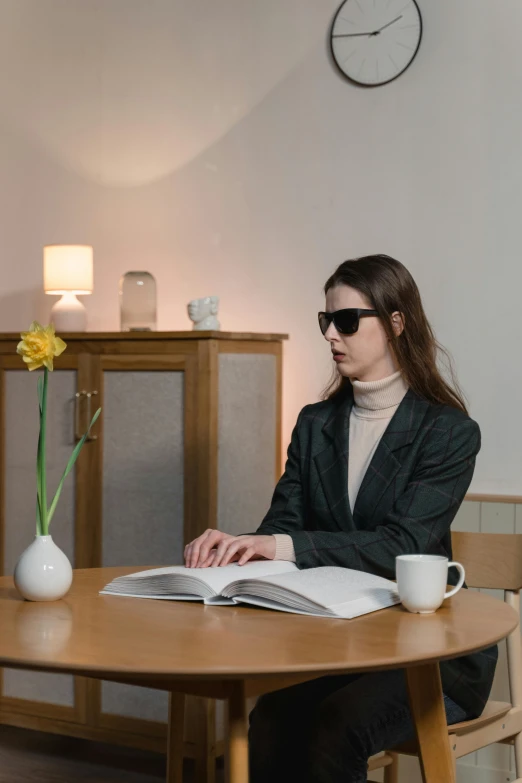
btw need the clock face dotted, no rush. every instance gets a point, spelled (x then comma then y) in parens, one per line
(374, 41)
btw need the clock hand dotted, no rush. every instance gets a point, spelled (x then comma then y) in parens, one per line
(352, 35)
(388, 25)
(369, 35)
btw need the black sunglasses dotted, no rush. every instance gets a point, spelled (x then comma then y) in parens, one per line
(345, 321)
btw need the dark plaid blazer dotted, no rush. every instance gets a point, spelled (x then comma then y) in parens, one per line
(409, 496)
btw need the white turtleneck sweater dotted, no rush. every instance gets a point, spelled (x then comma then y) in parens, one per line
(375, 402)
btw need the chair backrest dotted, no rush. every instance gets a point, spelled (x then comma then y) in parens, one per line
(492, 560)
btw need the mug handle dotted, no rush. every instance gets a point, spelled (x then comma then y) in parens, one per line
(457, 587)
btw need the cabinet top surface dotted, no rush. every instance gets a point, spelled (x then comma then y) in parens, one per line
(188, 335)
(101, 634)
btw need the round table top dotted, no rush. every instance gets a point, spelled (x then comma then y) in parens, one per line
(100, 634)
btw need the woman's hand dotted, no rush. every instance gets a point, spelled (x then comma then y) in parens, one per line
(215, 548)
(200, 552)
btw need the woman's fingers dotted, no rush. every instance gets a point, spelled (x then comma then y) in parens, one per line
(222, 548)
(247, 555)
(215, 548)
(224, 557)
(215, 538)
(201, 545)
(208, 561)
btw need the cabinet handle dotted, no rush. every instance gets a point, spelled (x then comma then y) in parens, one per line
(89, 396)
(77, 433)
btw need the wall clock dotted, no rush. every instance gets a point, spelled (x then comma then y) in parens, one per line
(374, 41)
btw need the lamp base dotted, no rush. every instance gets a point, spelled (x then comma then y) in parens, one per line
(69, 314)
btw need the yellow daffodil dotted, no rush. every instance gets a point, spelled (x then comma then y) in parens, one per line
(39, 346)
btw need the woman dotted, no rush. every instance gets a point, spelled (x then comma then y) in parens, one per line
(377, 469)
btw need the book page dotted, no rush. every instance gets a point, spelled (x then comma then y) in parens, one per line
(325, 586)
(216, 578)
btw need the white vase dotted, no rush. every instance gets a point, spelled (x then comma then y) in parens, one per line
(43, 572)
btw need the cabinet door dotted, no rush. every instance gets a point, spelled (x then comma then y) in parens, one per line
(36, 693)
(248, 436)
(142, 470)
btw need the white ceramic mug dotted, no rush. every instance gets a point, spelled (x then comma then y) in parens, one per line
(422, 580)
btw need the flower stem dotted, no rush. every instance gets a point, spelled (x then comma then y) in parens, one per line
(41, 459)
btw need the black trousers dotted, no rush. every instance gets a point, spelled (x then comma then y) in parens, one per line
(325, 730)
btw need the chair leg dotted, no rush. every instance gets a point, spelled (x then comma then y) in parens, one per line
(518, 755)
(391, 772)
(514, 661)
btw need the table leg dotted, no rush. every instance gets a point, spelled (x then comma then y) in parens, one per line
(175, 738)
(237, 734)
(427, 706)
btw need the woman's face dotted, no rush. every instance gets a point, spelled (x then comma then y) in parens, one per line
(365, 355)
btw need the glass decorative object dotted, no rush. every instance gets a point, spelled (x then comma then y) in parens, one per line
(137, 302)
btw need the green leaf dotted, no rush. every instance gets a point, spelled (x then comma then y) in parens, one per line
(38, 517)
(69, 467)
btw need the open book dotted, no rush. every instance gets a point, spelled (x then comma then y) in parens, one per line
(326, 591)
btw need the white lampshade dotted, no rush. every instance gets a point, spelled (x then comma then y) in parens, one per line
(68, 268)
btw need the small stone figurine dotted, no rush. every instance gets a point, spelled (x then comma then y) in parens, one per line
(203, 313)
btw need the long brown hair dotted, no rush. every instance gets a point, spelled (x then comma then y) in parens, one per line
(387, 286)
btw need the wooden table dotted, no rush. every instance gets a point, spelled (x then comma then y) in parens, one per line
(232, 653)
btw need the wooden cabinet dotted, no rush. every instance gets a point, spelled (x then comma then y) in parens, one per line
(189, 438)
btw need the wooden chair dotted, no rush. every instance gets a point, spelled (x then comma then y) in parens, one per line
(389, 761)
(491, 560)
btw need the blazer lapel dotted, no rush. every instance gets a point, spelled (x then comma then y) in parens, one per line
(332, 461)
(402, 429)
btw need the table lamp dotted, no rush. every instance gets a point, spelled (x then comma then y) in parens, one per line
(68, 271)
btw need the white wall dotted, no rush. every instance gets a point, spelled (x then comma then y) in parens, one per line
(214, 144)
